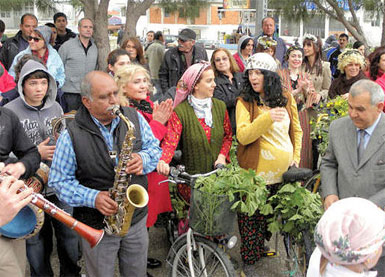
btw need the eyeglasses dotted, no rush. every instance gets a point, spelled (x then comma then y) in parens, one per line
(217, 60)
(35, 39)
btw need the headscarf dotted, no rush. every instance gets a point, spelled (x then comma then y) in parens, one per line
(351, 231)
(187, 83)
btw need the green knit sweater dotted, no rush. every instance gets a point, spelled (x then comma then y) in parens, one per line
(198, 155)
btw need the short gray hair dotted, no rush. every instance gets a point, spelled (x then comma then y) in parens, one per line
(86, 85)
(375, 91)
(85, 18)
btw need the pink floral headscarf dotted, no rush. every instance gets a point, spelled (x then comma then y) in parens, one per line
(189, 79)
(351, 231)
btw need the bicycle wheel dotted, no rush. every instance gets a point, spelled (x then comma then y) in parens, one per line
(314, 183)
(208, 260)
(298, 256)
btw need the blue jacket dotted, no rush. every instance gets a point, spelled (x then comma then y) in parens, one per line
(54, 64)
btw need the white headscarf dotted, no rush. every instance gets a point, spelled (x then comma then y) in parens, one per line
(202, 108)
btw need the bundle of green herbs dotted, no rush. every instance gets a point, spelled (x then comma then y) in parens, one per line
(244, 189)
(295, 209)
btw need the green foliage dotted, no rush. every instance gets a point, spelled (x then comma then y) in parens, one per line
(185, 8)
(244, 187)
(295, 209)
(327, 113)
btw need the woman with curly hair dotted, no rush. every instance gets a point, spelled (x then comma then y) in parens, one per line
(269, 136)
(350, 64)
(228, 80)
(377, 66)
(135, 50)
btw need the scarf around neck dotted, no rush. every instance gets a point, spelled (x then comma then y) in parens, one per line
(202, 108)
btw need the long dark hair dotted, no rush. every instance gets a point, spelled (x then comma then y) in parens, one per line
(139, 49)
(273, 96)
(374, 61)
(317, 46)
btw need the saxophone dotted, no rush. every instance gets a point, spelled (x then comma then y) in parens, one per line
(127, 196)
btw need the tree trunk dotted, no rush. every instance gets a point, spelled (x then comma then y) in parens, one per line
(134, 10)
(98, 12)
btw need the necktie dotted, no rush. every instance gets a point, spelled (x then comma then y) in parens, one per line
(361, 145)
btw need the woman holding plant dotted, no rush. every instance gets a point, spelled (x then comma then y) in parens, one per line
(269, 136)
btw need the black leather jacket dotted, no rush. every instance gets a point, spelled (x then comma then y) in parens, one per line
(173, 67)
(9, 50)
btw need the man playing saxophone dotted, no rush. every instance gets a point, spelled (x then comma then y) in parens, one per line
(82, 172)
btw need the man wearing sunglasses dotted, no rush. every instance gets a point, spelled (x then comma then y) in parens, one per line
(14, 45)
(178, 59)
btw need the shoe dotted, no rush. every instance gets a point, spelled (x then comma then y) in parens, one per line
(267, 252)
(153, 263)
(149, 275)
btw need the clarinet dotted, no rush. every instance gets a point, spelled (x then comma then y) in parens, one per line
(93, 236)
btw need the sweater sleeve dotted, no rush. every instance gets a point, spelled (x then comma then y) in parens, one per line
(326, 80)
(227, 139)
(171, 140)
(247, 131)
(23, 148)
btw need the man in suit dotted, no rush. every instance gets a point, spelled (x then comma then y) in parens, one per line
(354, 163)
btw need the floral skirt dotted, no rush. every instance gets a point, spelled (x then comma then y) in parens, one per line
(253, 231)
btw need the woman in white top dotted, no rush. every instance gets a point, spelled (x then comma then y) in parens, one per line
(349, 239)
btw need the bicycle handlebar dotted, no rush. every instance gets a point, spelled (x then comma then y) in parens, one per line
(179, 175)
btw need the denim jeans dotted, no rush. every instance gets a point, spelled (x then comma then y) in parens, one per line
(39, 247)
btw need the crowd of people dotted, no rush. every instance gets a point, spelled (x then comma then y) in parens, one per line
(265, 95)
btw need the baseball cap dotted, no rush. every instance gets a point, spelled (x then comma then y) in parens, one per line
(187, 34)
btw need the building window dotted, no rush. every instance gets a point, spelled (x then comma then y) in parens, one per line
(315, 26)
(166, 13)
(289, 27)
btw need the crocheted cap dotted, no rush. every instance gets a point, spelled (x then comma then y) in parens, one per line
(261, 61)
(350, 56)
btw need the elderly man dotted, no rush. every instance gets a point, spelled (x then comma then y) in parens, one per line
(178, 59)
(82, 171)
(79, 56)
(354, 163)
(14, 45)
(268, 29)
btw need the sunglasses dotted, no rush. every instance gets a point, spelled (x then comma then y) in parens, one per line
(35, 39)
(225, 59)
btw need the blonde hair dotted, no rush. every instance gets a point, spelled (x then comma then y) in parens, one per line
(124, 75)
(350, 56)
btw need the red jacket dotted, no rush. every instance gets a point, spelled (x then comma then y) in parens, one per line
(6, 81)
(239, 62)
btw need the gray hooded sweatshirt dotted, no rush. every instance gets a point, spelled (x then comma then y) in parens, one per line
(36, 123)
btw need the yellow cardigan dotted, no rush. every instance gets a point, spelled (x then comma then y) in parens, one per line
(261, 146)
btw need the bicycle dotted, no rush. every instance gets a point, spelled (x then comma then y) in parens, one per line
(193, 253)
(298, 255)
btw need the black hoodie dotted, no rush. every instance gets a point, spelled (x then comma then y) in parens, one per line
(14, 139)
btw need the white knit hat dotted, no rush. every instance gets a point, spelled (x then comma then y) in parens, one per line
(261, 61)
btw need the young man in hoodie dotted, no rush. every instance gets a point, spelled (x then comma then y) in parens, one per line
(35, 108)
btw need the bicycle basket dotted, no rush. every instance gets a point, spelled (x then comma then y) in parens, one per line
(211, 215)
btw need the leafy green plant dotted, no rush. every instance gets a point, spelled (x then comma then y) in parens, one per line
(327, 113)
(243, 188)
(295, 209)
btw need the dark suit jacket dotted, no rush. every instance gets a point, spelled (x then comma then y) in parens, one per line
(340, 172)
